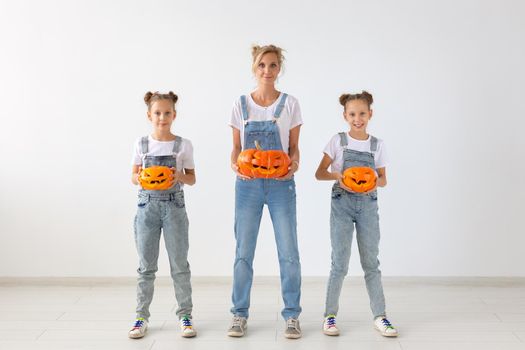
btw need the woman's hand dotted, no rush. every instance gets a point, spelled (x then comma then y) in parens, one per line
(235, 169)
(292, 169)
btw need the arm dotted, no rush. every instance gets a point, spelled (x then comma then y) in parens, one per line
(235, 153)
(293, 152)
(135, 173)
(381, 177)
(322, 173)
(187, 176)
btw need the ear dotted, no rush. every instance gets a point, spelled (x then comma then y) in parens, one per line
(371, 113)
(149, 115)
(174, 114)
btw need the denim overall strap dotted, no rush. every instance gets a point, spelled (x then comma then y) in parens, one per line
(176, 145)
(244, 108)
(373, 144)
(144, 145)
(280, 106)
(344, 140)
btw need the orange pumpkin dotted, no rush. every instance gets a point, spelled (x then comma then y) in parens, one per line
(156, 178)
(263, 164)
(360, 179)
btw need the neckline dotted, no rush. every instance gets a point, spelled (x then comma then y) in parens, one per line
(351, 138)
(154, 139)
(266, 107)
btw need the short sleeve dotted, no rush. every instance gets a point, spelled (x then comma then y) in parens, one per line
(187, 156)
(330, 149)
(236, 117)
(136, 159)
(381, 157)
(295, 114)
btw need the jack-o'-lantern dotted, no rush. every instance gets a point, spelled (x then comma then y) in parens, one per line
(359, 179)
(156, 178)
(255, 162)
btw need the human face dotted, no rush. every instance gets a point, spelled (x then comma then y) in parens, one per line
(268, 69)
(162, 114)
(357, 114)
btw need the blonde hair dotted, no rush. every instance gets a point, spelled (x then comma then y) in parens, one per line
(259, 51)
(151, 97)
(363, 96)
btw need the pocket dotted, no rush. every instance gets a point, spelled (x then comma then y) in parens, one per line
(337, 192)
(143, 201)
(179, 199)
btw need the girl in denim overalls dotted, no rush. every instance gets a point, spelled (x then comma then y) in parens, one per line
(163, 210)
(345, 150)
(273, 119)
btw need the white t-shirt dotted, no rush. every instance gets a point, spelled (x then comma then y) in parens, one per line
(165, 148)
(290, 116)
(334, 150)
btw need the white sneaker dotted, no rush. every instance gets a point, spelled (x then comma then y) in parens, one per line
(385, 327)
(293, 329)
(238, 326)
(139, 328)
(329, 326)
(186, 327)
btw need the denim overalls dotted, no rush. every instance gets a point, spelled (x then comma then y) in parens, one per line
(359, 209)
(162, 210)
(250, 198)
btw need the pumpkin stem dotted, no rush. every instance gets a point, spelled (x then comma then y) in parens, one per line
(257, 145)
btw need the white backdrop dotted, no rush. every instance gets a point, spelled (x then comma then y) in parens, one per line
(446, 76)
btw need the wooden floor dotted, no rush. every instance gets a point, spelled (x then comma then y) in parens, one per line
(430, 314)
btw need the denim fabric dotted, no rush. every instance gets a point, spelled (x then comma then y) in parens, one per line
(349, 209)
(250, 198)
(162, 211)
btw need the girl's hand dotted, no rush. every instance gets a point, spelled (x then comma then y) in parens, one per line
(375, 187)
(175, 176)
(340, 178)
(136, 177)
(235, 169)
(292, 169)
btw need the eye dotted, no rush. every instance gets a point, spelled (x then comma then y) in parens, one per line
(273, 65)
(261, 65)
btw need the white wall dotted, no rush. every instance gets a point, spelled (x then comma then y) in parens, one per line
(447, 77)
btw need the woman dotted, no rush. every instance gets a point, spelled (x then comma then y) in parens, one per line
(273, 119)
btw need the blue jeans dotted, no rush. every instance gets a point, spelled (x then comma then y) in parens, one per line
(166, 212)
(250, 197)
(349, 209)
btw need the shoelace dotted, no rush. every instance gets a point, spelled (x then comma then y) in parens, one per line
(292, 323)
(138, 323)
(330, 321)
(236, 322)
(387, 323)
(186, 322)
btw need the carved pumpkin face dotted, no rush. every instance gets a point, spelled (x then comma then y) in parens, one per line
(360, 179)
(156, 178)
(263, 164)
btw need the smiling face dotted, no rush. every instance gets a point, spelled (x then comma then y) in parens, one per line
(268, 69)
(162, 114)
(357, 113)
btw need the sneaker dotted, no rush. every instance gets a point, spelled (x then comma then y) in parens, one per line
(238, 326)
(293, 329)
(139, 328)
(186, 327)
(385, 327)
(329, 325)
